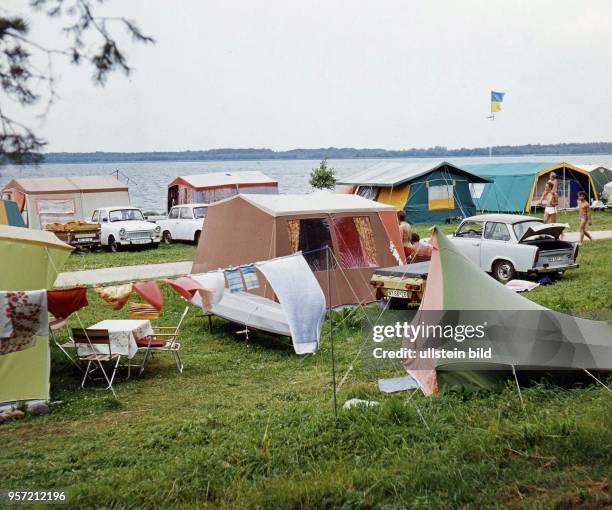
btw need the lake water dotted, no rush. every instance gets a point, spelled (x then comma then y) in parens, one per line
(148, 180)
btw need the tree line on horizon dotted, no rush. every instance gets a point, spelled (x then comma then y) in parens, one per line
(328, 153)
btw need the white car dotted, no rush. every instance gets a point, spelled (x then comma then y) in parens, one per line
(125, 226)
(508, 244)
(184, 223)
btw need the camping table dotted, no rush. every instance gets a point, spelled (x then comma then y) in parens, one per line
(123, 335)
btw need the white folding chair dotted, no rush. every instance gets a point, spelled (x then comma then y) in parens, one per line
(163, 339)
(96, 340)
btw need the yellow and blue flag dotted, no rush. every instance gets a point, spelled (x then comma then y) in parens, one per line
(496, 101)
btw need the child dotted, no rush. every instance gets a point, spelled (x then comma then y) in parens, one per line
(550, 201)
(584, 215)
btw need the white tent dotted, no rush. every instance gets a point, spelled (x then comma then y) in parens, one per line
(61, 199)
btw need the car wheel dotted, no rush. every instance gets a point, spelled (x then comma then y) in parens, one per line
(196, 237)
(167, 237)
(503, 271)
(113, 245)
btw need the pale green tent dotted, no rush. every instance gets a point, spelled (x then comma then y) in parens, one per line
(30, 261)
(523, 336)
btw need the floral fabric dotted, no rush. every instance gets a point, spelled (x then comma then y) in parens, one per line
(23, 315)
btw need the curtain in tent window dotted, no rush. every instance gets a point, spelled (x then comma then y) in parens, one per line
(294, 234)
(55, 210)
(313, 235)
(441, 197)
(356, 246)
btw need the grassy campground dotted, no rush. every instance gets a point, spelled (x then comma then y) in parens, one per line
(251, 426)
(178, 252)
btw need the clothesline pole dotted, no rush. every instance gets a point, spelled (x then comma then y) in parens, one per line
(331, 336)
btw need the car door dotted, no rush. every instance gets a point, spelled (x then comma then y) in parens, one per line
(172, 222)
(495, 243)
(186, 224)
(468, 239)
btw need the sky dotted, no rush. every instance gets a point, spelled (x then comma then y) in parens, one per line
(389, 74)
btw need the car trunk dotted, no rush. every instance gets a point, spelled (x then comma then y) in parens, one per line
(553, 252)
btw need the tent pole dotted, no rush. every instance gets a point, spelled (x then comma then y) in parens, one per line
(590, 374)
(331, 336)
(518, 388)
(564, 191)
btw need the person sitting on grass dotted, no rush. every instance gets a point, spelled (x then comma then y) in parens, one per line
(417, 250)
(584, 215)
(405, 230)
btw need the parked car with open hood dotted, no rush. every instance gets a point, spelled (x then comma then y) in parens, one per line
(125, 226)
(509, 244)
(184, 223)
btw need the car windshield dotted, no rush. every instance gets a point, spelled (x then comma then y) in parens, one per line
(199, 212)
(521, 228)
(126, 215)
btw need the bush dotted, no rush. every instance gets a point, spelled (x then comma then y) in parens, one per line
(323, 177)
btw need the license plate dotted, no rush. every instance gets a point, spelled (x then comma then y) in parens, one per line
(555, 259)
(141, 241)
(84, 238)
(397, 293)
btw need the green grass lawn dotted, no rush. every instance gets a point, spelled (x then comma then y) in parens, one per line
(175, 252)
(601, 221)
(251, 426)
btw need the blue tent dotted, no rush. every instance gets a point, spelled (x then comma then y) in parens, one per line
(517, 187)
(429, 192)
(9, 214)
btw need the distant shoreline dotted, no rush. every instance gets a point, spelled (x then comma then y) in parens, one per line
(574, 149)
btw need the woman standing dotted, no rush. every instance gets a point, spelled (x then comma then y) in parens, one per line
(550, 201)
(584, 215)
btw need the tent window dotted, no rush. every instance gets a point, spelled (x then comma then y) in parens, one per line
(356, 246)
(369, 192)
(441, 197)
(311, 236)
(55, 210)
(476, 189)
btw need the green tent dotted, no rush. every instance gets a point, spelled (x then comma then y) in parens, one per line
(517, 187)
(30, 261)
(522, 334)
(430, 192)
(600, 175)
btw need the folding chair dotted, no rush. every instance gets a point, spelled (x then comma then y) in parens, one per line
(92, 338)
(56, 324)
(164, 339)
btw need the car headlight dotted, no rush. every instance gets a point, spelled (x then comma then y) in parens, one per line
(122, 232)
(158, 229)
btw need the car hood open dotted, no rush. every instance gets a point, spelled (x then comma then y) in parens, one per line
(550, 229)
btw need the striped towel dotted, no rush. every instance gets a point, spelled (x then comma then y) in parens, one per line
(142, 311)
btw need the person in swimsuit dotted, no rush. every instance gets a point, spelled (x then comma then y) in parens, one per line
(552, 178)
(406, 231)
(584, 216)
(549, 200)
